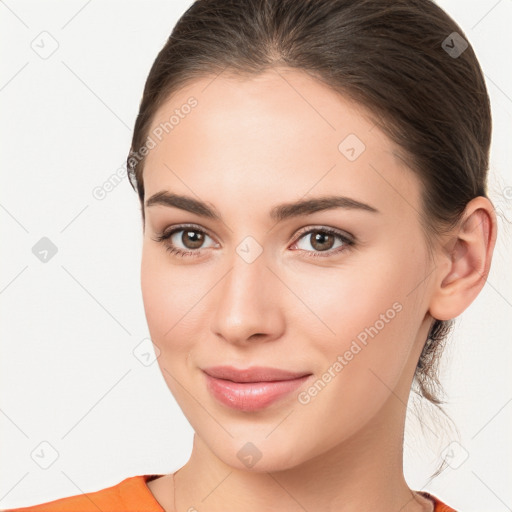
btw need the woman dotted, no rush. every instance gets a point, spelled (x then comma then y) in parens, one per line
(312, 180)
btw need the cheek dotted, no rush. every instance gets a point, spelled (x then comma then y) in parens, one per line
(169, 295)
(171, 298)
(360, 370)
(373, 312)
(365, 297)
(178, 306)
(353, 305)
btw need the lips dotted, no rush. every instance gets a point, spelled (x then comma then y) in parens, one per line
(253, 374)
(253, 388)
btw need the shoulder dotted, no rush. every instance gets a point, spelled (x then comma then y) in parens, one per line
(130, 495)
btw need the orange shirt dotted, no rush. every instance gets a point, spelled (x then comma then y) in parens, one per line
(130, 495)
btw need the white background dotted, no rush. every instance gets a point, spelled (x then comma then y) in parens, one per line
(70, 326)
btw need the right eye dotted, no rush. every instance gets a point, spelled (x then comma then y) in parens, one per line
(191, 238)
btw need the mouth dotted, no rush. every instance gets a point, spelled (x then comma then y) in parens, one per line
(251, 389)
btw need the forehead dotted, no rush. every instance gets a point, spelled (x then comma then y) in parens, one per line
(282, 128)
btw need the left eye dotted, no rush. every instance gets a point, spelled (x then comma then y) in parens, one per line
(322, 240)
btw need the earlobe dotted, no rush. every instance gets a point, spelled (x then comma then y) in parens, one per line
(466, 260)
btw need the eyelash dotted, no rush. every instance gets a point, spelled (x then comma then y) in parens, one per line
(348, 242)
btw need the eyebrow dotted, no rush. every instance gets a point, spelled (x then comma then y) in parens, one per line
(277, 213)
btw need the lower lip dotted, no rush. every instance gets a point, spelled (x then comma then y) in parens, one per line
(251, 396)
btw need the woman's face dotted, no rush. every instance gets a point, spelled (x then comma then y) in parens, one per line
(349, 309)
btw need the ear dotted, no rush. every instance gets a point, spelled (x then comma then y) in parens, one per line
(465, 260)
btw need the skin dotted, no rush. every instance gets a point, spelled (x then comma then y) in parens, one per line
(247, 146)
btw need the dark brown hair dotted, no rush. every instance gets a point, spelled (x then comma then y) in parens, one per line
(399, 59)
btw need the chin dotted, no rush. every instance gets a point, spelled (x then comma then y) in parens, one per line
(251, 451)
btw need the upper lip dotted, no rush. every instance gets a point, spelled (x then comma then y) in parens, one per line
(252, 374)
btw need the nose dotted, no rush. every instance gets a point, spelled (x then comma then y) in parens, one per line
(247, 303)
